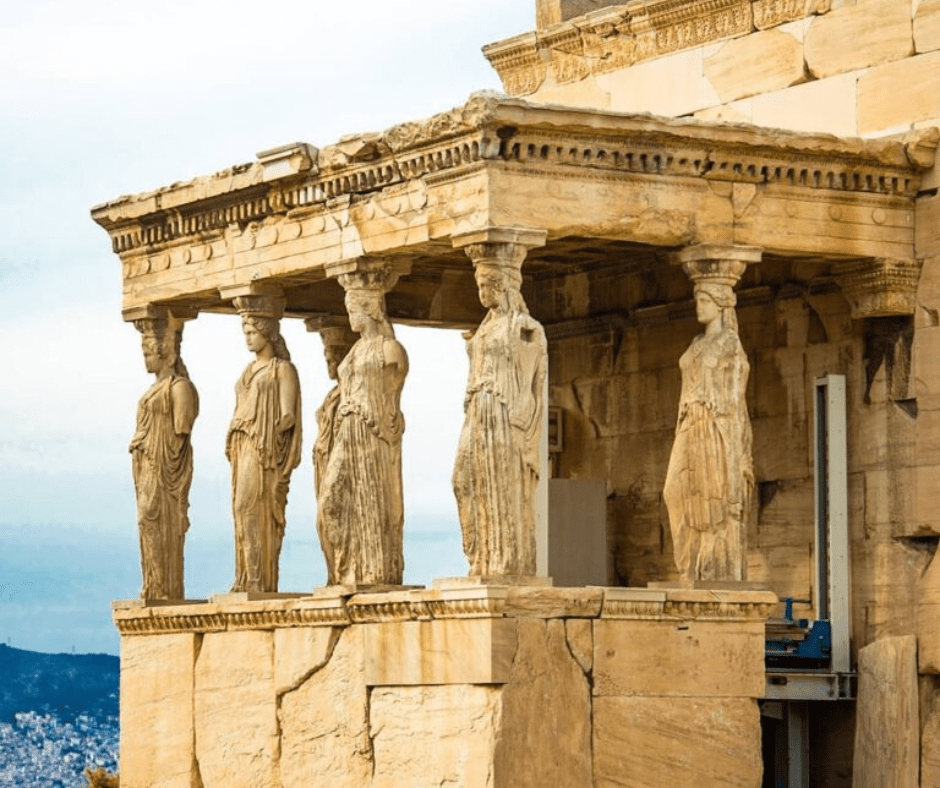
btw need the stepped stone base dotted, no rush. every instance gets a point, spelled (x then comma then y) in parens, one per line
(490, 686)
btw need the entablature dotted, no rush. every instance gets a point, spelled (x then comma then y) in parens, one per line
(644, 183)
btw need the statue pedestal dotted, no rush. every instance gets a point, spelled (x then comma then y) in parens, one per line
(490, 686)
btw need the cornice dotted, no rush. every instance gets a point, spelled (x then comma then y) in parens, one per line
(624, 35)
(135, 618)
(255, 206)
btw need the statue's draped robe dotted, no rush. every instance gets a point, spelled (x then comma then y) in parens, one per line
(360, 499)
(497, 466)
(262, 459)
(162, 462)
(709, 482)
(326, 438)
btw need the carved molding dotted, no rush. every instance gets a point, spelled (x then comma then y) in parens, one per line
(620, 36)
(541, 141)
(879, 287)
(424, 605)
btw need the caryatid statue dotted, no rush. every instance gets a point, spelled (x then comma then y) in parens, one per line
(361, 508)
(263, 444)
(338, 339)
(162, 458)
(709, 487)
(498, 460)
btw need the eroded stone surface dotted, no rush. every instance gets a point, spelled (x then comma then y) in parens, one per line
(325, 722)
(580, 634)
(927, 26)
(656, 742)
(545, 735)
(434, 736)
(897, 94)
(235, 710)
(887, 728)
(157, 727)
(860, 35)
(765, 61)
(299, 652)
(678, 658)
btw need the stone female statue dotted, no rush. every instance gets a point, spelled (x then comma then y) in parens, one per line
(263, 447)
(337, 342)
(360, 496)
(497, 465)
(709, 482)
(162, 459)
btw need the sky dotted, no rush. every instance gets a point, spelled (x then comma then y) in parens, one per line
(101, 98)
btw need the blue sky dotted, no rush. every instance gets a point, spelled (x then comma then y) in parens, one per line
(102, 98)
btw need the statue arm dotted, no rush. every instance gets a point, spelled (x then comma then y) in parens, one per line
(185, 406)
(289, 393)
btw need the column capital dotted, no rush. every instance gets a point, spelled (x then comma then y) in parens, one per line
(159, 312)
(718, 263)
(879, 287)
(368, 273)
(520, 236)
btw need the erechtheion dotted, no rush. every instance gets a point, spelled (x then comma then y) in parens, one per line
(696, 251)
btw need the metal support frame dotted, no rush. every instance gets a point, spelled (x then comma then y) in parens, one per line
(832, 581)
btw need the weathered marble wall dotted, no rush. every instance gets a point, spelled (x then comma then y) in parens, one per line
(617, 381)
(479, 687)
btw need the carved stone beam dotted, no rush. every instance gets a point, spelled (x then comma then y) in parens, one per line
(505, 246)
(879, 287)
(718, 263)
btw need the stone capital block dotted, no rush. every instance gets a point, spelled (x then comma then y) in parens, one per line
(879, 287)
(501, 246)
(887, 727)
(717, 263)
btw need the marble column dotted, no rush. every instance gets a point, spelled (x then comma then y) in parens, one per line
(502, 451)
(161, 452)
(360, 502)
(709, 488)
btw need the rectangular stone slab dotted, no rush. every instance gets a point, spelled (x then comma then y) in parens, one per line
(447, 651)
(679, 658)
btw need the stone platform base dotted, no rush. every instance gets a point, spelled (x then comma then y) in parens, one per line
(480, 687)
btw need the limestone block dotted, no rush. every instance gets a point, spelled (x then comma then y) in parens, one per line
(445, 651)
(928, 619)
(555, 602)
(926, 504)
(325, 722)
(299, 652)
(671, 85)
(545, 732)
(887, 728)
(822, 105)
(235, 710)
(929, 731)
(877, 31)
(926, 363)
(927, 26)
(426, 737)
(746, 66)
(656, 742)
(735, 112)
(679, 658)
(157, 711)
(580, 634)
(899, 93)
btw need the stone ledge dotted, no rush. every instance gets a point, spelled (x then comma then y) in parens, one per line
(490, 601)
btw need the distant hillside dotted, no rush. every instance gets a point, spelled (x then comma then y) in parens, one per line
(65, 684)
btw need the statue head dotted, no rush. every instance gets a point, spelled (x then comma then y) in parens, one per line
(365, 298)
(337, 342)
(263, 313)
(499, 287)
(716, 301)
(161, 340)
